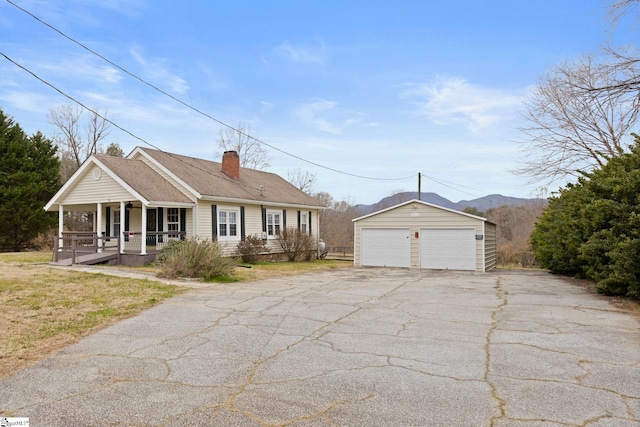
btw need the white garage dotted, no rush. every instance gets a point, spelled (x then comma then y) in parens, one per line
(448, 248)
(417, 234)
(386, 247)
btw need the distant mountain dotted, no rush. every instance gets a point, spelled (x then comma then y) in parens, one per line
(483, 204)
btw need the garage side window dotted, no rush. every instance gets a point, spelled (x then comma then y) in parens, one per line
(274, 219)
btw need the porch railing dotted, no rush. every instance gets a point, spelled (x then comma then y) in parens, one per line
(78, 243)
(155, 240)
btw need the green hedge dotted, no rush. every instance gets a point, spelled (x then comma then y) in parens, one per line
(591, 229)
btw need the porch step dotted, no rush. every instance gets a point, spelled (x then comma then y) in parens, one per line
(89, 259)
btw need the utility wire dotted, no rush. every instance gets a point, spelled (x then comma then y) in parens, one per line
(71, 98)
(444, 183)
(185, 104)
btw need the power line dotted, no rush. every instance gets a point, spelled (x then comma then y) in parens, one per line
(189, 106)
(71, 98)
(185, 104)
(444, 183)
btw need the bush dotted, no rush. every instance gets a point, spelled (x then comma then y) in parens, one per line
(192, 258)
(250, 248)
(592, 228)
(296, 245)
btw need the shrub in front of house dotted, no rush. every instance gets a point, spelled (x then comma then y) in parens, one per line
(250, 249)
(296, 245)
(193, 258)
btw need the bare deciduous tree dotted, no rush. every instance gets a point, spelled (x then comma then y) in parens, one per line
(68, 119)
(336, 226)
(76, 141)
(303, 180)
(514, 227)
(619, 9)
(252, 154)
(571, 127)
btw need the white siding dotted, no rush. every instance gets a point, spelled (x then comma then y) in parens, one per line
(490, 246)
(88, 190)
(253, 223)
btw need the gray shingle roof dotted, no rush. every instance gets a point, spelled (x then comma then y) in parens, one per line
(143, 179)
(206, 177)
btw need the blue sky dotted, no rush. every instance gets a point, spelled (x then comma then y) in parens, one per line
(379, 89)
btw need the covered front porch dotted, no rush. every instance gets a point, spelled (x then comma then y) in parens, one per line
(128, 233)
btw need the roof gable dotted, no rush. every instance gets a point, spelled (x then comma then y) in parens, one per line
(102, 178)
(143, 180)
(421, 203)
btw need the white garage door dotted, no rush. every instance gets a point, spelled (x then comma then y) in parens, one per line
(385, 247)
(448, 248)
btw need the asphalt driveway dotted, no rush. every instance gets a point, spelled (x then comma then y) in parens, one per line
(353, 347)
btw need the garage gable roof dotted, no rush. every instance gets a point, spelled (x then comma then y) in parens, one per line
(422, 203)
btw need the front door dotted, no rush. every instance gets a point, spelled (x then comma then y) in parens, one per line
(152, 226)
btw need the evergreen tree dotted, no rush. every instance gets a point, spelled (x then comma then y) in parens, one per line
(29, 177)
(592, 229)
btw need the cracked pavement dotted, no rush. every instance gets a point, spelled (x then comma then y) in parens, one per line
(350, 347)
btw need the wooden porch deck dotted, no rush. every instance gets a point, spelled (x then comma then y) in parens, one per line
(88, 248)
(88, 259)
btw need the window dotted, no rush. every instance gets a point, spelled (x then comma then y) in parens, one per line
(116, 223)
(303, 222)
(227, 223)
(273, 223)
(173, 221)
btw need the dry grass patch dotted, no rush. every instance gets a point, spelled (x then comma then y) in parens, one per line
(45, 309)
(259, 271)
(269, 270)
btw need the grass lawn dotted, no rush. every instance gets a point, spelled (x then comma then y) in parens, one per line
(45, 309)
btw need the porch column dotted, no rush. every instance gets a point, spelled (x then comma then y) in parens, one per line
(122, 223)
(143, 243)
(60, 227)
(194, 221)
(99, 226)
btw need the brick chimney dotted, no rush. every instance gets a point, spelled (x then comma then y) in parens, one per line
(231, 164)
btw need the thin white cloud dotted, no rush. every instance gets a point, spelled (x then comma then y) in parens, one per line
(28, 101)
(303, 54)
(156, 69)
(129, 8)
(324, 115)
(79, 68)
(453, 100)
(266, 106)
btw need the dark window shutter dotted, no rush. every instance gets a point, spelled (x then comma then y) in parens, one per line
(214, 222)
(183, 220)
(298, 220)
(309, 222)
(160, 224)
(107, 215)
(264, 219)
(284, 219)
(242, 230)
(126, 223)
